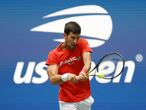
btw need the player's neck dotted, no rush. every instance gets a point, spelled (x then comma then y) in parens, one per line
(64, 46)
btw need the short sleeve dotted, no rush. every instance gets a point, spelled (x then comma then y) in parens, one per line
(52, 58)
(83, 44)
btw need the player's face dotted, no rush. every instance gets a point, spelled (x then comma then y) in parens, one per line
(71, 40)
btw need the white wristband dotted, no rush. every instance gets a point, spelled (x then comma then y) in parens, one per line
(65, 77)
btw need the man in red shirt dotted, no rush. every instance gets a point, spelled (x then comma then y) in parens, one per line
(68, 66)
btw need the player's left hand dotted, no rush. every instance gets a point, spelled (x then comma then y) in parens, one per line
(83, 76)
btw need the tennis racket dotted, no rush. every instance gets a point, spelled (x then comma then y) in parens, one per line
(109, 66)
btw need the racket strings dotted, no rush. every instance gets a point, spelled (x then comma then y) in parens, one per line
(110, 66)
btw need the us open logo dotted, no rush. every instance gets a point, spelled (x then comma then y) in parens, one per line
(96, 26)
(95, 22)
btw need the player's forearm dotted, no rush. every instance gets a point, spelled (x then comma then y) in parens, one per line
(87, 62)
(86, 68)
(56, 79)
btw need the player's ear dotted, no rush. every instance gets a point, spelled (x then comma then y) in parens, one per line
(65, 35)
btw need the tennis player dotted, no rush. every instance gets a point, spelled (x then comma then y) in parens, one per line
(68, 66)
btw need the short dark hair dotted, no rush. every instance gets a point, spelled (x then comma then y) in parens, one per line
(72, 27)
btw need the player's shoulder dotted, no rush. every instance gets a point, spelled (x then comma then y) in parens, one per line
(82, 40)
(53, 52)
(56, 49)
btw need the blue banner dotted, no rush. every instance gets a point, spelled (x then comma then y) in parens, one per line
(29, 29)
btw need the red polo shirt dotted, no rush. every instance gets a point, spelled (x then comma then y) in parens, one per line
(70, 61)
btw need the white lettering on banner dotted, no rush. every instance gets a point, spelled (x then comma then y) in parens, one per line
(28, 77)
(42, 77)
(130, 65)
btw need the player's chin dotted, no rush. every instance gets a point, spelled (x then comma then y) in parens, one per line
(72, 47)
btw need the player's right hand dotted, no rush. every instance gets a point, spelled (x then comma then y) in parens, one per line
(72, 78)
